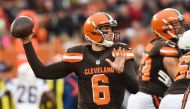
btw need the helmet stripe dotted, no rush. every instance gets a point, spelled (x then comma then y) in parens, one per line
(108, 16)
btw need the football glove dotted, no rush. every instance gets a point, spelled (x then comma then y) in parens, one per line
(164, 78)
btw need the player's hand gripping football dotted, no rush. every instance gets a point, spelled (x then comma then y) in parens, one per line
(26, 40)
(120, 57)
(22, 27)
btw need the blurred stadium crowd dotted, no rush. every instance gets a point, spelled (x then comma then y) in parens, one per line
(60, 25)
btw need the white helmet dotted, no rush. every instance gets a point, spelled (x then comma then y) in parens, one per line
(184, 41)
(24, 71)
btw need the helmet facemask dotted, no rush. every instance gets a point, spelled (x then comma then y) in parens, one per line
(109, 33)
(178, 26)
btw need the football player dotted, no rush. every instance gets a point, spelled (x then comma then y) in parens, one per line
(104, 68)
(159, 60)
(177, 95)
(26, 89)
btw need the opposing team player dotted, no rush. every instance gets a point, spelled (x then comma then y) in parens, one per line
(104, 68)
(26, 89)
(159, 60)
(177, 95)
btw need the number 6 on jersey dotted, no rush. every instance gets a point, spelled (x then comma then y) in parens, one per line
(100, 89)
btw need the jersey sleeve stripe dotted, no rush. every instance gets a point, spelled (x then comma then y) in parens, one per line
(168, 51)
(128, 53)
(130, 56)
(72, 57)
(169, 54)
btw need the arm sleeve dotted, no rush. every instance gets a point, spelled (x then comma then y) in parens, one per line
(129, 77)
(53, 71)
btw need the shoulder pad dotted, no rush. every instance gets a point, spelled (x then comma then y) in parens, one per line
(169, 49)
(73, 54)
(153, 48)
(11, 81)
(75, 49)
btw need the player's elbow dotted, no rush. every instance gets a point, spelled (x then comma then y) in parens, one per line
(39, 74)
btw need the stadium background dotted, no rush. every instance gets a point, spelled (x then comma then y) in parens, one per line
(60, 25)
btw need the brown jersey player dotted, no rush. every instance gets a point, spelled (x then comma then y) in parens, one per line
(104, 68)
(159, 60)
(177, 95)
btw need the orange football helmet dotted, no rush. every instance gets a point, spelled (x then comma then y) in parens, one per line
(168, 24)
(94, 29)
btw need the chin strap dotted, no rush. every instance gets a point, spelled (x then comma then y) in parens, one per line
(107, 43)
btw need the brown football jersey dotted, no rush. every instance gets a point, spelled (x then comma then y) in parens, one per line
(182, 76)
(100, 87)
(152, 63)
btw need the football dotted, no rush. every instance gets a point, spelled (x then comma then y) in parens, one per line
(22, 27)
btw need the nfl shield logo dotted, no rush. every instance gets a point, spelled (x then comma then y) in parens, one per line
(97, 62)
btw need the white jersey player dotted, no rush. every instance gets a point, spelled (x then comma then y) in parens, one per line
(26, 89)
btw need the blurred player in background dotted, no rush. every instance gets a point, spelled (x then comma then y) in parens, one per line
(159, 60)
(104, 68)
(177, 95)
(70, 92)
(27, 90)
